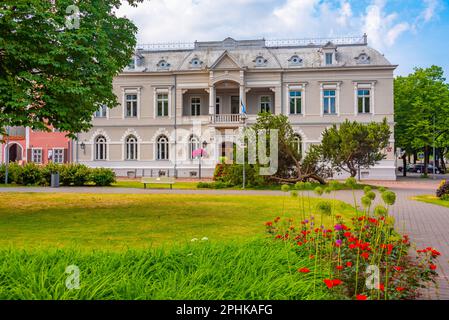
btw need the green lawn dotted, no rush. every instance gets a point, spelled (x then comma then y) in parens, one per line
(432, 199)
(139, 247)
(118, 221)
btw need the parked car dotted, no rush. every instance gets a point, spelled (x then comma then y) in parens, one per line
(419, 168)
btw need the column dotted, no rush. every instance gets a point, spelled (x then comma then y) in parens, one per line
(242, 94)
(212, 100)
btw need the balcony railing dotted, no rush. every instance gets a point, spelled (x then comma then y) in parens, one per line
(226, 118)
(17, 132)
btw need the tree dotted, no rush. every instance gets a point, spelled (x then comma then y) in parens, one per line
(354, 145)
(292, 167)
(54, 73)
(422, 112)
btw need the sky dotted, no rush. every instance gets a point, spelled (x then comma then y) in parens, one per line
(410, 33)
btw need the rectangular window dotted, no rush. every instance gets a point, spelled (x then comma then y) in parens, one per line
(363, 100)
(58, 155)
(329, 58)
(195, 106)
(295, 102)
(36, 155)
(101, 112)
(265, 104)
(131, 105)
(217, 105)
(162, 105)
(132, 64)
(329, 99)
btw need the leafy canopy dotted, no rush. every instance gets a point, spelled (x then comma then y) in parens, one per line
(54, 75)
(355, 144)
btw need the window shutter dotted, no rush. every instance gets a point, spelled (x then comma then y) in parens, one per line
(66, 155)
(29, 159)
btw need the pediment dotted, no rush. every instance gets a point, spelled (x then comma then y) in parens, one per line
(226, 61)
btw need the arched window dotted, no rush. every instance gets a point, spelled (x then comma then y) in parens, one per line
(162, 148)
(194, 144)
(131, 148)
(100, 151)
(297, 144)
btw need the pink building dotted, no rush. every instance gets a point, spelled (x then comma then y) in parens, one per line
(26, 145)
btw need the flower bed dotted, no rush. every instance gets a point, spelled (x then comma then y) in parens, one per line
(364, 258)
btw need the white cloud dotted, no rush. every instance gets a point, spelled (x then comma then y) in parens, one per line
(429, 11)
(189, 20)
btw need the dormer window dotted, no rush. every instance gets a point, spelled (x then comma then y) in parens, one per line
(260, 61)
(163, 65)
(329, 58)
(363, 58)
(196, 63)
(132, 64)
(295, 61)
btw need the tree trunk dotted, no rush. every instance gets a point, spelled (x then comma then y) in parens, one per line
(404, 165)
(415, 157)
(441, 157)
(426, 160)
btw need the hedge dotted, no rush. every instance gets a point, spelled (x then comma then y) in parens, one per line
(69, 174)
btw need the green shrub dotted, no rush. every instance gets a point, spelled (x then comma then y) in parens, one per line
(443, 189)
(102, 176)
(2, 173)
(15, 173)
(29, 174)
(74, 174)
(232, 174)
(213, 185)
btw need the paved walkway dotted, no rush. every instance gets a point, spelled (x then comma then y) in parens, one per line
(427, 224)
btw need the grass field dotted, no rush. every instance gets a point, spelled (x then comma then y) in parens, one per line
(139, 247)
(432, 199)
(199, 270)
(111, 221)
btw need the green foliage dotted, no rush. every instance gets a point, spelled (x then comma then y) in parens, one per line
(53, 75)
(380, 211)
(200, 270)
(366, 201)
(29, 174)
(285, 188)
(443, 189)
(102, 176)
(213, 185)
(354, 144)
(371, 195)
(351, 182)
(419, 99)
(319, 191)
(232, 175)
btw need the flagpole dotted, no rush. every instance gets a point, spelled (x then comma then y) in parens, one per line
(243, 116)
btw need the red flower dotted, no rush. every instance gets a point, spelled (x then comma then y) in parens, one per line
(269, 223)
(277, 219)
(361, 297)
(352, 246)
(332, 283)
(278, 236)
(347, 234)
(381, 287)
(435, 253)
(396, 268)
(400, 289)
(300, 243)
(304, 270)
(365, 255)
(311, 256)
(339, 267)
(349, 264)
(433, 267)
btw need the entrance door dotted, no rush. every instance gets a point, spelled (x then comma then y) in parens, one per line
(15, 152)
(235, 104)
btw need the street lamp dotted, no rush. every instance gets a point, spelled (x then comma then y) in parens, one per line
(7, 155)
(204, 145)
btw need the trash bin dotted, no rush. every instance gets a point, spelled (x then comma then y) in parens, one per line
(55, 180)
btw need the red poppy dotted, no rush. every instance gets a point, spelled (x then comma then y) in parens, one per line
(304, 270)
(339, 267)
(300, 243)
(352, 246)
(278, 236)
(349, 264)
(381, 287)
(269, 223)
(332, 283)
(361, 297)
(400, 289)
(433, 267)
(347, 234)
(396, 268)
(365, 255)
(435, 253)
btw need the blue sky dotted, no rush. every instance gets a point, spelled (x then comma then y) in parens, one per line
(409, 32)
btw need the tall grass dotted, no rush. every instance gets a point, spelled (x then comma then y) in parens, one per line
(201, 270)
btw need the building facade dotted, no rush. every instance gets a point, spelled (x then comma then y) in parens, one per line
(178, 98)
(27, 145)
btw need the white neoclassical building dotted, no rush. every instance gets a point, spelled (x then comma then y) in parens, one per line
(175, 98)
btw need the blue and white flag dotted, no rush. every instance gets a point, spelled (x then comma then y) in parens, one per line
(243, 111)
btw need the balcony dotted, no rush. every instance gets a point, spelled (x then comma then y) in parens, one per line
(226, 118)
(17, 133)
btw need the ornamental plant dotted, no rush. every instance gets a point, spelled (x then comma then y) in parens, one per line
(352, 250)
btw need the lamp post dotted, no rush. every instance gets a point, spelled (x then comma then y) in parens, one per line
(204, 145)
(7, 155)
(434, 151)
(243, 117)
